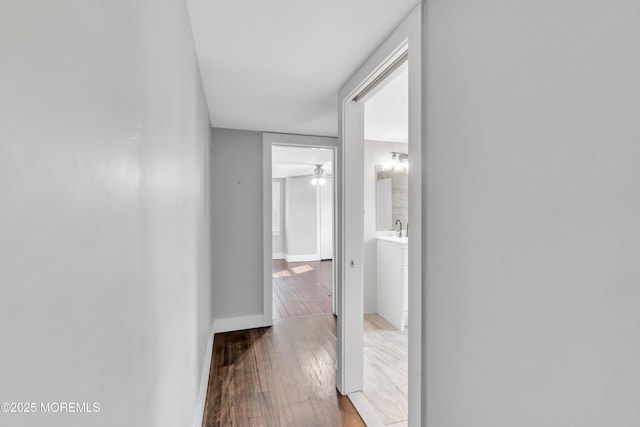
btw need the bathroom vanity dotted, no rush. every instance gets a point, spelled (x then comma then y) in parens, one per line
(393, 283)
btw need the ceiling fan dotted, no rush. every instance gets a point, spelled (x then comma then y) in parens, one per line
(319, 176)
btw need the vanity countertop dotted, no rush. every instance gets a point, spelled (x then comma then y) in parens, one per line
(395, 239)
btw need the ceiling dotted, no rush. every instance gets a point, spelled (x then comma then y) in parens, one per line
(277, 65)
(298, 161)
(386, 114)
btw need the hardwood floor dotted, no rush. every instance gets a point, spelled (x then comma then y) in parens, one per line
(301, 288)
(386, 370)
(278, 376)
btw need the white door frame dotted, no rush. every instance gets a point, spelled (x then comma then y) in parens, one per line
(349, 375)
(268, 140)
(321, 205)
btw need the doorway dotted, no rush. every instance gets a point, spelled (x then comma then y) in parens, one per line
(405, 41)
(302, 230)
(299, 210)
(386, 235)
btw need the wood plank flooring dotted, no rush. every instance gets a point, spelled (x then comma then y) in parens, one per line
(386, 370)
(301, 288)
(278, 376)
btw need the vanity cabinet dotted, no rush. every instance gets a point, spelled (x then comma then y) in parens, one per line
(393, 280)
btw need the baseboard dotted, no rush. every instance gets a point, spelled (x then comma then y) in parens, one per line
(204, 381)
(279, 255)
(238, 323)
(302, 258)
(366, 411)
(267, 321)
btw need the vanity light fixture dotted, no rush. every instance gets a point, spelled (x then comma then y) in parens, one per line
(399, 162)
(318, 179)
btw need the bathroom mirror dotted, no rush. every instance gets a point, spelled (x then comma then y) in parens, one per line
(392, 197)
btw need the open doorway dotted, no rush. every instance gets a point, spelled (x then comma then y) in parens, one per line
(386, 235)
(299, 213)
(403, 45)
(302, 230)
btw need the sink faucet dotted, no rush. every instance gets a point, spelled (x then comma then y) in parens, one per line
(399, 231)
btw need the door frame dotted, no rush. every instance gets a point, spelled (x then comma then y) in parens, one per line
(320, 205)
(268, 140)
(408, 36)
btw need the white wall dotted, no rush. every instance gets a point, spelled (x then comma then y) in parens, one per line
(301, 219)
(236, 172)
(533, 207)
(104, 285)
(375, 153)
(279, 243)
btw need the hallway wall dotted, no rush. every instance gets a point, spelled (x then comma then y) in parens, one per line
(533, 213)
(236, 177)
(104, 284)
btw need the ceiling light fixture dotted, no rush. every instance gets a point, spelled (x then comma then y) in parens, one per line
(318, 179)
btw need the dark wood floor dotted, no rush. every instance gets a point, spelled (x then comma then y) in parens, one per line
(301, 288)
(278, 376)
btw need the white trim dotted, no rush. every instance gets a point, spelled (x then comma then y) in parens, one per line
(267, 237)
(204, 381)
(300, 140)
(269, 139)
(365, 410)
(409, 35)
(279, 255)
(319, 221)
(238, 323)
(302, 258)
(349, 372)
(275, 225)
